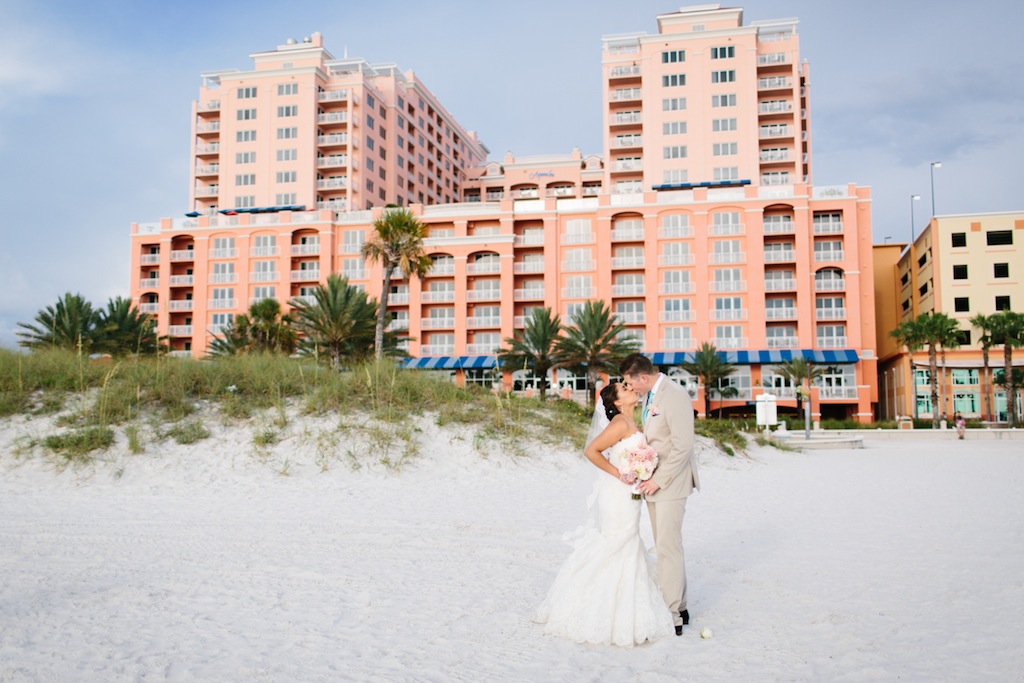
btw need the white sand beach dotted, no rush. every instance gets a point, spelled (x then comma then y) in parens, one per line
(899, 561)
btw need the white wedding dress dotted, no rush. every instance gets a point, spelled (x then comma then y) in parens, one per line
(605, 592)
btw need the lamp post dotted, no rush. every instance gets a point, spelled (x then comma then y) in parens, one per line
(935, 165)
(913, 198)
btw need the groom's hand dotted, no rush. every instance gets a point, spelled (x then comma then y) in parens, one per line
(649, 487)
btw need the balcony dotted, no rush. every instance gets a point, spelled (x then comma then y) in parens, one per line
(478, 321)
(560, 191)
(307, 249)
(182, 280)
(435, 296)
(578, 238)
(829, 228)
(628, 234)
(624, 71)
(226, 252)
(398, 324)
(769, 132)
(308, 299)
(675, 316)
(339, 205)
(667, 232)
(179, 330)
(207, 170)
(831, 342)
(728, 257)
(775, 83)
(530, 240)
(211, 191)
(443, 323)
(782, 342)
(263, 251)
(684, 344)
(779, 107)
(354, 273)
(676, 288)
(208, 128)
(725, 229)
(827, 393)
(626, 142)
(729, 314)
(441, 269)
(833, 285)
(624, 94)
(778, 228)
(179, 353)
(149, 259)
(149, 283)
(579, 265)
(773, 59)
(780, 256)
(782, 284)
(179, 305)
(730, 342)
(629, 165)
(774, 155)
(629, 290)
(495, 195)
(830, 314)
(332, 160)
(332, 119)
(577, 292)
(437, 349)
(485, 349)
(332, 184)
(627, 118)
(399, 298)
(305, 275)
(332, 96)
(632, 317)
(788, 313)
(728, 285)
(528, 294)
(208, 149)
(216, 328)
(676, 259)
(483, 267)
(208, 106)
(829, 256)
(220, 303)
(528, 267)
(483, 295)
(627, 262)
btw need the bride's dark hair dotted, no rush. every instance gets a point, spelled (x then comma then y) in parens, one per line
(609, 395)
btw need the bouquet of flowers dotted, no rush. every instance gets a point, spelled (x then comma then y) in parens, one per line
(638, 465)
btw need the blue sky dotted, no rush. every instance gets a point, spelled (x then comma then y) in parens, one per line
(95, 98)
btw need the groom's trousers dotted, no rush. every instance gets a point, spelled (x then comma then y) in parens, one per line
(667, 526)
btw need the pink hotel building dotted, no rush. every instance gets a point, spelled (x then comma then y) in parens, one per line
(699, 223)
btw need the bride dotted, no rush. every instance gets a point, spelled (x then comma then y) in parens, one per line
(605, 592)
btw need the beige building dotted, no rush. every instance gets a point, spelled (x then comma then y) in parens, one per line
(963, 266)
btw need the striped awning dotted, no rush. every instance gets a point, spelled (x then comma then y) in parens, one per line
(771, 356)
(450, 362)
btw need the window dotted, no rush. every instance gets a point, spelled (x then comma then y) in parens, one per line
(723, 100)
(245, 179)
(246, 93)
(370, 122)
(674, 152)
(1002, 303)
(288, 89)
(287, 154)
(962, 304)
(245, 157)
(288, 110)
(726, 173)
(960, 272)
(673, 80)
(673, 104)
(673, 128)
(722, 149)
(963, 337)
(245, 136)
(727, 76)
(286, 199)
(245, 202)
(370, 144)
(286, 176)
(675, 176)
(287, 133)
(263, 292)
(723, 52)
(1000, 270)
(923, 289)
(959, 239)
(999, 237)
(245, 114)
(673, 56)
(719, 125)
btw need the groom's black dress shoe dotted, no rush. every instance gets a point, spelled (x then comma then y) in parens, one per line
(686, 617)
(679, 630)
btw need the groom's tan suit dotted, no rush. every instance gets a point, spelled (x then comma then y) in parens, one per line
(668, 427)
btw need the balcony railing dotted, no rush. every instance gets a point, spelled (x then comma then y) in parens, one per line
(578, 238)
(828, 393)
(780, 256)
(305, 275)
(179, 305)
(150, 308)
(179, 330)
(332, 184)
(728, 285)
(788, 313)
(785, 284)
(529, 240)
(398, 298)
(728, 257)
(627, 262)
(179, 353)
(675, 288)
(774, 83)
(354, 273)
(775, 155)
(577, 292)
(149, 259)
(834, 285)
(182, 280)
(624, 71)
(437, 296)
(263, 251)
(477, 321)
(675, 316)
(832, 228)
(483, 267)
(483, 295)
(730, 342)
(528, 267)
(675, 231)
(684, 344)
(830, 313)
(625, 118)
(304, 298)
(629, 290)
(528, 294)
(625, 94)
(442, 269)
(332, 95)
(211, 191)
(211, 127)
(216, 328)
(629, 165)
(211, 105)
(782, 342)
(208, 169)
(729, 314)
(445, 323)
(831, 342)
(627, 141)
(676, 260)
(825, 256)
(774, 107)
(632, 317)
(627, 234)
(309, 249)
(220, 303)
(486, 348)
(263, 276)
(228, 252)
(578, 265)
(398, 324)
(437, 349)
(722, 229)
(776, 131)
(208, 148)
(778, 227)
(332, 117)
(149, 283)
(332, 161)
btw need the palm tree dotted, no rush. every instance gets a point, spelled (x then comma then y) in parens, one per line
(534, 348)
(984, 323)
(797, 371)
(710, 369)
(1008, 331)
(930, 330)
(397, 242)
(263, 329)
(71, 323)
(123, 330)
(592, 344)
(341, 320)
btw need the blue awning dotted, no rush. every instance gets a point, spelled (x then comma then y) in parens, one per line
(760, 357)
(831, 356)
(450, 362)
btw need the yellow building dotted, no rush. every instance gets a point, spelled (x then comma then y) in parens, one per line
(963, 266)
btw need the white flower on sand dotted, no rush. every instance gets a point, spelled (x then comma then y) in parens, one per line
(706, 633)
(232, 388)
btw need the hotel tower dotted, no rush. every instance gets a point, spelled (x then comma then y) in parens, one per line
(699, 222)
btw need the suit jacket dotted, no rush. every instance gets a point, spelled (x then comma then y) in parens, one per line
(669, 430)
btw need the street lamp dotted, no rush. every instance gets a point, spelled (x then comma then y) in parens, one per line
(935, 165)
(913, 198)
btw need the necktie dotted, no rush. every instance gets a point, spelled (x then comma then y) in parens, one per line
(647, 409)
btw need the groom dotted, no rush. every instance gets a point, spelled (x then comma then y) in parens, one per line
(668, 426)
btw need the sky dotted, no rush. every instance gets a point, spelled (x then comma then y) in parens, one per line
(95, 104)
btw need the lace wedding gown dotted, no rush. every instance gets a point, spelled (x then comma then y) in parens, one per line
(605, 592)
